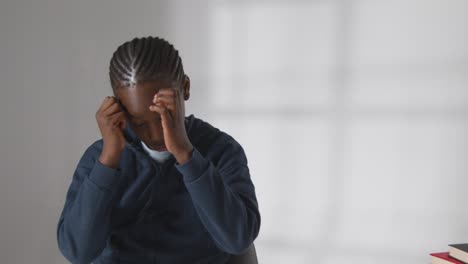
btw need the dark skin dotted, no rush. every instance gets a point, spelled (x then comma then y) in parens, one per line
(155, 111)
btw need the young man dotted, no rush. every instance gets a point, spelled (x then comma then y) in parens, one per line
(159, 187)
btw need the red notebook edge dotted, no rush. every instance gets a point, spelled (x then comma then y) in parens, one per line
(445, 255)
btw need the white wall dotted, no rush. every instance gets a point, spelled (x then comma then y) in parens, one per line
(353, 115)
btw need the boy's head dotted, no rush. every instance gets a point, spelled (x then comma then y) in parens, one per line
(138, 70)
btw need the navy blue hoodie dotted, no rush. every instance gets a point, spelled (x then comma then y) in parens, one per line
(145, 212)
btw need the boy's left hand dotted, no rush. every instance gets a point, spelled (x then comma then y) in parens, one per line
(169, 103)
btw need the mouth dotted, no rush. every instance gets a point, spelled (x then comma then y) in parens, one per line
(159, 148)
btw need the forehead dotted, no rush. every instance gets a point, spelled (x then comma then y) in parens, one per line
(136, 99)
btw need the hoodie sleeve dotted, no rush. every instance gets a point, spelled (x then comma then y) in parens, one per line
(83, 227)
(224, 197)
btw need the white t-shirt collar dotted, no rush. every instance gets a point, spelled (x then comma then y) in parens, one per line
(158, 156)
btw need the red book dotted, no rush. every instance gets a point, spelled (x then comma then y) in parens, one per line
(444, 258)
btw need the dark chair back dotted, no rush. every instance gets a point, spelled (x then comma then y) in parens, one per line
(248, 257)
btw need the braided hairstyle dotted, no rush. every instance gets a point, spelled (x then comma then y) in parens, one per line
(145, 59)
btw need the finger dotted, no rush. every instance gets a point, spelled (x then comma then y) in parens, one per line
(177, 105)
(114, 108)
(170, 107)
(117, 118)
(167, 102)
(166, 118)
(107, 103)
(160, 109)
(104, 103)
(170, 95)
(168, 98)
(165, 92)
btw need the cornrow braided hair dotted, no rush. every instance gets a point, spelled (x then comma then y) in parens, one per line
(144, 59)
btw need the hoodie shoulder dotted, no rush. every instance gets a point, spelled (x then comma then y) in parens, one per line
(91, 154)
(200, 131)
(213, 142)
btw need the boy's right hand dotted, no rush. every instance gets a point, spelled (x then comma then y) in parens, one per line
(111, 120)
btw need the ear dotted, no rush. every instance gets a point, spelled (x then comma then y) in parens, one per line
(186, 87)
